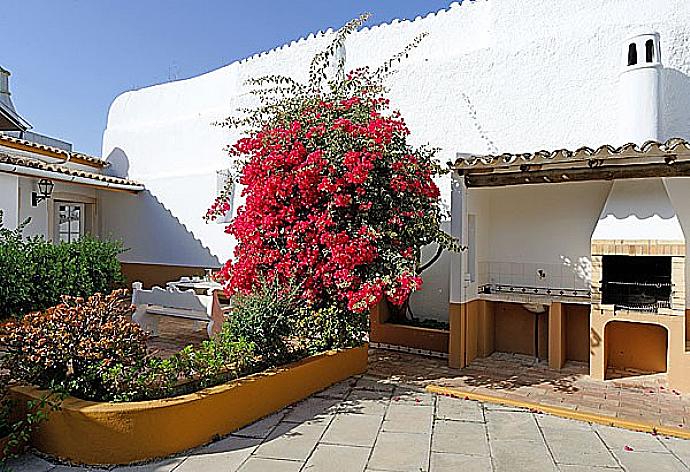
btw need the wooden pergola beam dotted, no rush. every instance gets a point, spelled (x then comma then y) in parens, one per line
(580, 174)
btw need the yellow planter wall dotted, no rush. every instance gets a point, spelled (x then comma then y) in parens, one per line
(118, 433)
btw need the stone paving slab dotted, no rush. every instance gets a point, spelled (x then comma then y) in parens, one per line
(460, 437)
(578, 447)
(459, 462)
(292, 441)
(401, 452)
(335, 458)
(521, 454)
(344, 429)
(353, 429)
(451, 409)
(408, 418)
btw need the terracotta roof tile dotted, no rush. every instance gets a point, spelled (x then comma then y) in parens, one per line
(673, 148)
(8, 157)
(96, 161)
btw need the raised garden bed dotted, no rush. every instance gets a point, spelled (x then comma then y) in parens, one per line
(416, 337)
(97, 433)
(428, 324)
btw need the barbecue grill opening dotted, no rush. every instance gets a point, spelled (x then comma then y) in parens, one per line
(640, 283)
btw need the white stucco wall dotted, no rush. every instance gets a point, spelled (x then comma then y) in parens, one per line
(38, 226)
(527, 228)
(492, 76)
(9, 200)
(15, 195)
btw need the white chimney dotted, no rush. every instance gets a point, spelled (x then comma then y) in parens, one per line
(5, 89)
(639, 90)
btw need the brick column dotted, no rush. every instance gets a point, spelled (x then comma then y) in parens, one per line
(557, 339)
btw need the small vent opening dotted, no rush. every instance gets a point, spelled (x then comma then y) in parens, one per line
(632, 54)
(649, 50)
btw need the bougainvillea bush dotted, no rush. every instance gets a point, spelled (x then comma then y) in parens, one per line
(337, 200)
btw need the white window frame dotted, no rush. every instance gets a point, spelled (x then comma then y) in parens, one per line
(56, 226)
(222, 177)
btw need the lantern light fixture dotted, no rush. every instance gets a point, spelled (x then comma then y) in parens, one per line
(45, 190)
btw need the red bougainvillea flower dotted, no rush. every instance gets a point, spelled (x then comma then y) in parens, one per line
(336, 200)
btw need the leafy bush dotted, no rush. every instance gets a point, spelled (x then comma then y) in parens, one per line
(90, 348)
(36, 273)
(69, 346)
(330, 327)
(266, 317)
(283, 328)
(213, 362)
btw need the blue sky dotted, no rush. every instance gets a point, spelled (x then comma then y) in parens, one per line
(70, 58)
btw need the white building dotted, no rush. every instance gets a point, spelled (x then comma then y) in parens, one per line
(42, 181)
(492, 77)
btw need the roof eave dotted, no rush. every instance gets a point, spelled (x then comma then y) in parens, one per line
(20, 123)
(27, 171)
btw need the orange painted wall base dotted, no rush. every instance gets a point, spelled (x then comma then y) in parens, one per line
(97, 433)
(402, 335)
(481, 327)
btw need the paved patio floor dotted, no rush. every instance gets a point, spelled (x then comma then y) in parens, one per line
(369, 424)
(645, 399)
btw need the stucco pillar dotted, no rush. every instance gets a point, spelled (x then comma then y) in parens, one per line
(486, 329)
(457, 225)
(456, 310)
(557, 339)
(597, 353)
(457, 338)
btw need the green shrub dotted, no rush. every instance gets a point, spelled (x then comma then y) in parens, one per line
(284, 327)
(330, 327)
(213, 362)
(36, 273)
(267, 317)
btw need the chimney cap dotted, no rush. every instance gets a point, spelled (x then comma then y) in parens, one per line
(640, 51)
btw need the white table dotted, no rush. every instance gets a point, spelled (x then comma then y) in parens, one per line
(198, 284)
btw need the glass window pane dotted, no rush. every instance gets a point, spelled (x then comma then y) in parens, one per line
(63, 218)
(69, 221)
(75, 226)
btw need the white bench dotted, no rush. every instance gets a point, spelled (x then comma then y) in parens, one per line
(152, 304)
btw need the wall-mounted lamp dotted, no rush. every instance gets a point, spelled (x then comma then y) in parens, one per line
(45, 190)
